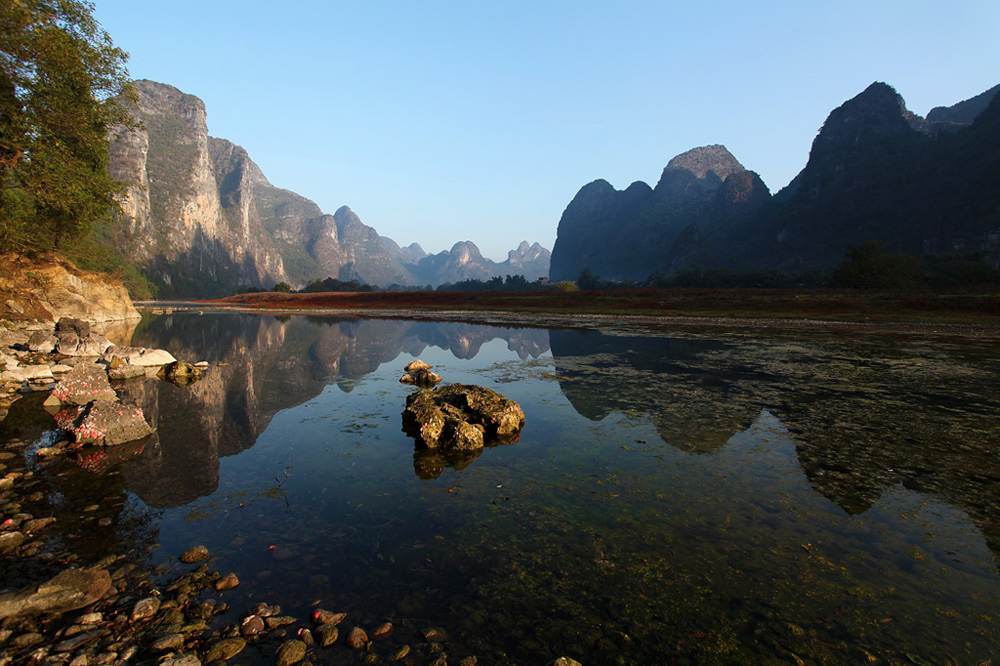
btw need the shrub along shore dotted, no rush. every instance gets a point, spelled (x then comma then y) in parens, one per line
(835, 305)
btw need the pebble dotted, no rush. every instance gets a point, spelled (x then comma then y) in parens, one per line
(291, 652)
(145, 608)
(26, 640)
(401, 653)
(357, 638)
(383, 630)
(326, 634)
(195, 554)
(227, 582)
(168, 642)
(252, 625)
(326, 617)
(276, 621)
(226, 649)
(435, 635)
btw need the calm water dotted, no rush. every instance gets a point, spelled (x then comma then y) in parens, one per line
(678, 494)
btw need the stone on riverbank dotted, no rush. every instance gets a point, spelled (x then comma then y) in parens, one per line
(76, 339)
(104, 423)
(139, 356)
(86, 382)
(68, 590)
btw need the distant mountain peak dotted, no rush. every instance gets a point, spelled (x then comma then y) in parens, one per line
(704, 160)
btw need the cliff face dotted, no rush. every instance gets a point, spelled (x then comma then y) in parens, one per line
(202, 219)
(176, 226)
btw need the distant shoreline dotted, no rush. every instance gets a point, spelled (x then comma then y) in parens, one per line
(943, 312)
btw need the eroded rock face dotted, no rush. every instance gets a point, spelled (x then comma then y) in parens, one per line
(461, 417)
(49, 287)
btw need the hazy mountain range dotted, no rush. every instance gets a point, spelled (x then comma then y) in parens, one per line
(202, 219)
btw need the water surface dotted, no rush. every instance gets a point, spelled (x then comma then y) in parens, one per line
(678, 494)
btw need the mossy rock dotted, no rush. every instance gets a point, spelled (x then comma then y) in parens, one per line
(461, 417)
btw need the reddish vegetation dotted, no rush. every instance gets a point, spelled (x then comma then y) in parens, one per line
(828, 304)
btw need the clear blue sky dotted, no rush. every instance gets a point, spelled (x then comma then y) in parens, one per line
(446, 121)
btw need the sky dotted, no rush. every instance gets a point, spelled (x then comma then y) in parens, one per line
(439, 122)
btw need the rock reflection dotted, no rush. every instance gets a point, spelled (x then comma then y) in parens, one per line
(261, 366)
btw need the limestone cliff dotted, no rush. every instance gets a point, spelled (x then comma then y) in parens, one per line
(175, 224)
(202, 219)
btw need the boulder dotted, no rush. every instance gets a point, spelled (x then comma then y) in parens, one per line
(86, 382)
(417, 364)
(181, 373)
(119, 370)
(104, 423)
(26, 373)
(48, 287)
(74, 338)
(7, 362)
(138, 356)
(42, 342)
(69, 590)
(421, 377)
(461, 417)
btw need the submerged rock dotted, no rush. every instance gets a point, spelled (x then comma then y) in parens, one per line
(194, 554)
(461, 417)
(68, 590)
(181, 373)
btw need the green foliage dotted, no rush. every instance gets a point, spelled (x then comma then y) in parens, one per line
(567, 286)
(332, 284)
(60, 76)
(93, 254)
(495, 283)
(721, 278)
(868, 266)
(283, 287)
(587, 280)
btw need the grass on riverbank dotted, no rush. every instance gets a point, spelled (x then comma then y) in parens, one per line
(825, 304)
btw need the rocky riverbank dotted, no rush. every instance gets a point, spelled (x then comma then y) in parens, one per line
(66, 606)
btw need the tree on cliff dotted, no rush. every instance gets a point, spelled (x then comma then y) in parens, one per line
(59, 77)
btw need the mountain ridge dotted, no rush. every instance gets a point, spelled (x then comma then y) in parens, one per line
(201, 218)
(876, 171)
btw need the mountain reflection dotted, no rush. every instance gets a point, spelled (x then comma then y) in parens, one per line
(261, 366)
(866, 414)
